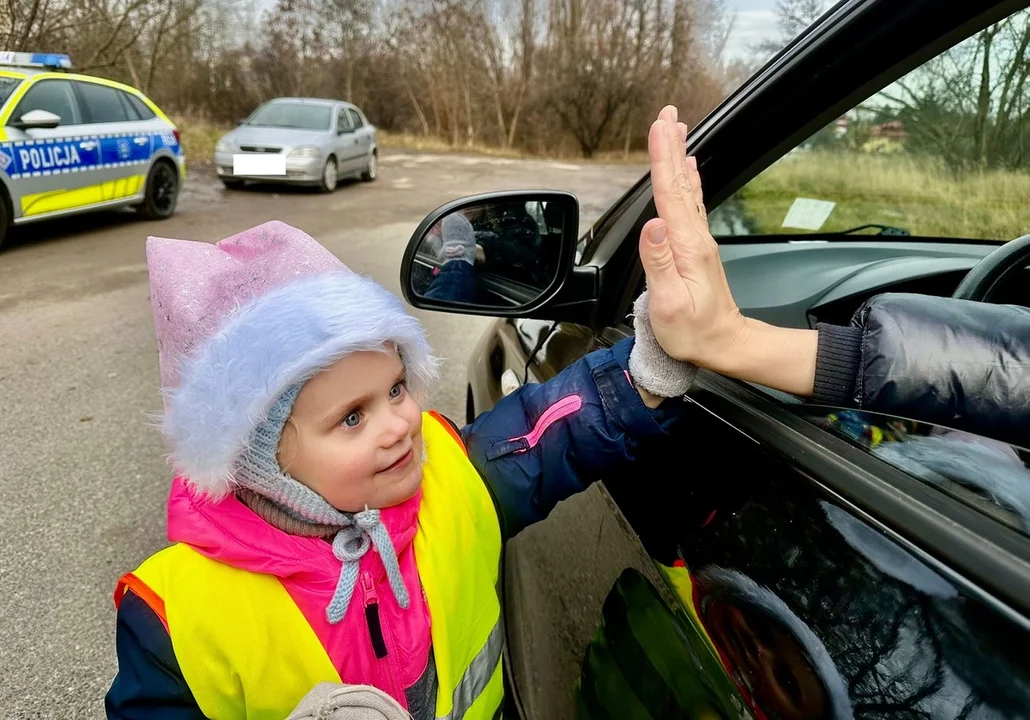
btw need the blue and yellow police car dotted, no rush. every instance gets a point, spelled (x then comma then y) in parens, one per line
(72, 143)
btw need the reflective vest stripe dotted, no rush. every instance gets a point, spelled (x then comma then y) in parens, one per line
(128, 582)
(478, 674)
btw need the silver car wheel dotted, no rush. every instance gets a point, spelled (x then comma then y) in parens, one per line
(373, 168)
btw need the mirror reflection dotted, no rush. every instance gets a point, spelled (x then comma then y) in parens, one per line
(496, 254)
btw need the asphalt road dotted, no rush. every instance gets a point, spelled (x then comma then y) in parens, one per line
(83, 479)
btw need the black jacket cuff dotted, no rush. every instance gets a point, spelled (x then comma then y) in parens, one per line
(837, 361)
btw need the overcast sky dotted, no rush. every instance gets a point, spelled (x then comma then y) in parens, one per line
(755, 22)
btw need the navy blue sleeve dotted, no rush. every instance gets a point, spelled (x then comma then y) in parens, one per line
(149, 683)
(545, 442)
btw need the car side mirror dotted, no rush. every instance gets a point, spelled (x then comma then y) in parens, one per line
(240, 121)
(506, 254)
(37, 119)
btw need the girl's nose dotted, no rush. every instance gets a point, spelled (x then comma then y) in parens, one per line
(395, 428)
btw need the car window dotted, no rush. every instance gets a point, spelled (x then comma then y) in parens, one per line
(937, 153)
(130, 111)
(297, 116)
(355, 118)
(54, 96)
(144, 112)
(986, 474)
(343, 120)
(101, 103)
(7, 87)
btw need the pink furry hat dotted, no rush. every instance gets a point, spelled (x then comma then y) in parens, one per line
(241, 321)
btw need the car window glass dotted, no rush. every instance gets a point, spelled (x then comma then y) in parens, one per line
(141, 108)
(296, 116)
(938, 153)
(7, 86)
(101, 103)
(355, 118)
(342, 120)
(986, 474)
(54, 96)
(130, 110)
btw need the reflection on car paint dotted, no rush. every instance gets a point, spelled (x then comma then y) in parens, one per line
(784, 606)
(964, 465)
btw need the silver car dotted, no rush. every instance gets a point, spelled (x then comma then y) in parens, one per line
(304, 141)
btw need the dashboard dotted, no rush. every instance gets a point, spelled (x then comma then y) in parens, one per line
(804, 282)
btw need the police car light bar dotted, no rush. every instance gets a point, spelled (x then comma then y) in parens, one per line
(40, 60)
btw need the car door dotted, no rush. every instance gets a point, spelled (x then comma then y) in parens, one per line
(363, 136)
(868, 578)
(126, 144)
(51, 169)
(347, 153)
(775, 596)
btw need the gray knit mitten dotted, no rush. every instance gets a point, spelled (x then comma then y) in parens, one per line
(335, 701)
(650, 366)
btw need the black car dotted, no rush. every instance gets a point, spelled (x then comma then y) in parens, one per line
(773, 561)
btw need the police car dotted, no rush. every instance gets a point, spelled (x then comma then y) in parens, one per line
(73, 143)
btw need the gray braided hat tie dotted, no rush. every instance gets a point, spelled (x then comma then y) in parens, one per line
(356, 533)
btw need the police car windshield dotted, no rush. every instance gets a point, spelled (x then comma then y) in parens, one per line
(292, 115)
(7, 86)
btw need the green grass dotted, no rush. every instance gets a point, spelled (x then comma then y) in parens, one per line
(918, 194)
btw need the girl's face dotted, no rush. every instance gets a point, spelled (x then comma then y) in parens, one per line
(357, 439)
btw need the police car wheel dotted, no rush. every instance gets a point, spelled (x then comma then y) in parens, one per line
(330, 176)
(162, 192)
(372, 170)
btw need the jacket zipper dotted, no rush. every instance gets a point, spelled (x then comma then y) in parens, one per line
(375, 631)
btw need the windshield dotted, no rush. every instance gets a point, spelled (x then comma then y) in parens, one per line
(7, 86)
(292, 115)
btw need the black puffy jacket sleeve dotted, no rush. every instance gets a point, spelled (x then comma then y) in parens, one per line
(957, 363)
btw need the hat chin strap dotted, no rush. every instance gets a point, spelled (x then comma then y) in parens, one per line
(349, 546)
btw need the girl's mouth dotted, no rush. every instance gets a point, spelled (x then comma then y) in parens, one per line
(405, 459)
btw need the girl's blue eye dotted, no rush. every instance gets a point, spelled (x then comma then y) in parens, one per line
(397, 390)
(352, 420)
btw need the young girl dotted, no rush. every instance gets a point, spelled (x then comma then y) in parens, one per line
(325, 527)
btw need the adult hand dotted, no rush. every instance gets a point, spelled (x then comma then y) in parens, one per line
(692, 311)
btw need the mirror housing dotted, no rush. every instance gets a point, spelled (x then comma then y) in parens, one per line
(527, 271)
(37, 120)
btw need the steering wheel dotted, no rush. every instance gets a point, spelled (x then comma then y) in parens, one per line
(980, 282)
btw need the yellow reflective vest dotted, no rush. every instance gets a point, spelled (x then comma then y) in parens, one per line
(256, 660)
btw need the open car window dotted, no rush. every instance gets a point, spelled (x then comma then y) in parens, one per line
(989, 476)
(938, 153)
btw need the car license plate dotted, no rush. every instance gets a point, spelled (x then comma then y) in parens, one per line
(258, 164)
